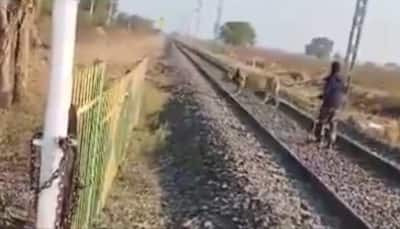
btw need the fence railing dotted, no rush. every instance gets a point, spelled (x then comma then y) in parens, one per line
(105, 118)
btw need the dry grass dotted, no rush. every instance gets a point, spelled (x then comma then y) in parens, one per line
(375, 96)
(118, 48)
(365, 77)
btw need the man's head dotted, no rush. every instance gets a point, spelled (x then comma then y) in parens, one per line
(335, 67)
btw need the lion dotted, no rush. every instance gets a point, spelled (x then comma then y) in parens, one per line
(271, 89)
(239, 78)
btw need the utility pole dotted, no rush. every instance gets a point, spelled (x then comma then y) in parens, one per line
(187, 26)
(198, 18)
(217, 24)
(355, 37)
(57, 109)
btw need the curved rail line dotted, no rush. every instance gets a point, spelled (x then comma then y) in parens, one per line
(387, 166)
(348, 216)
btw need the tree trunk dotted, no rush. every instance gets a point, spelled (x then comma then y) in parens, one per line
(36, 14)
(38, 8)
(6, 70)
(110, 11)
(91, 10)
(15, 29)
(22, 50)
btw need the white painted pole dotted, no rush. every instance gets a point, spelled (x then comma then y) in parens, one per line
(58, 102)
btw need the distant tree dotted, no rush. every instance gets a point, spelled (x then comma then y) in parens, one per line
(392, 66)
(337, 56)
(122, 18)
(135, 22)
(138, 22)
(97, 11)
(320, 47)
(370, 64)
(100, 11)
(238, 33)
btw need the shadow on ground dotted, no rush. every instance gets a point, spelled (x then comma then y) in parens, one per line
(178, 173)
(195, 171)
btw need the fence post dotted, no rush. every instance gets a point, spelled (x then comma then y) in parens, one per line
(58, 102)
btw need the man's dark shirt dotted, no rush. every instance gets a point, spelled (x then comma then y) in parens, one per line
(334, 91)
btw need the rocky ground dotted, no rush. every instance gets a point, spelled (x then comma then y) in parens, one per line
(371, 194)
(212, 171)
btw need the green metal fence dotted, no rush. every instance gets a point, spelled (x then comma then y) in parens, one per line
(105, 120)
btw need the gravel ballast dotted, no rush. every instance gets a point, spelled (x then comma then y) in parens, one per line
(244, 183)
(373, 196)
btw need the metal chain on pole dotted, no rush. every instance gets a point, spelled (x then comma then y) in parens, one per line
(71, 185)
(67, 172)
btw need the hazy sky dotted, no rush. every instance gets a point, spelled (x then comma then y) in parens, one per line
(289, 24)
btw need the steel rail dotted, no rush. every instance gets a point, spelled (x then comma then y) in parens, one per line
(348, 216)
(344, 140)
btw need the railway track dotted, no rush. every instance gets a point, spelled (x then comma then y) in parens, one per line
(359, 143)
(360, 185)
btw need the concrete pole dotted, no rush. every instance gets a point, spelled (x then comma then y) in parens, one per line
(58, 103)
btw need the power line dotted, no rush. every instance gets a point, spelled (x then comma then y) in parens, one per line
(217, 24)
(198, 13)
(354, 39)
(355, 34)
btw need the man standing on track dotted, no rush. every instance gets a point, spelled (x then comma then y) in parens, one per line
(333, 99)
